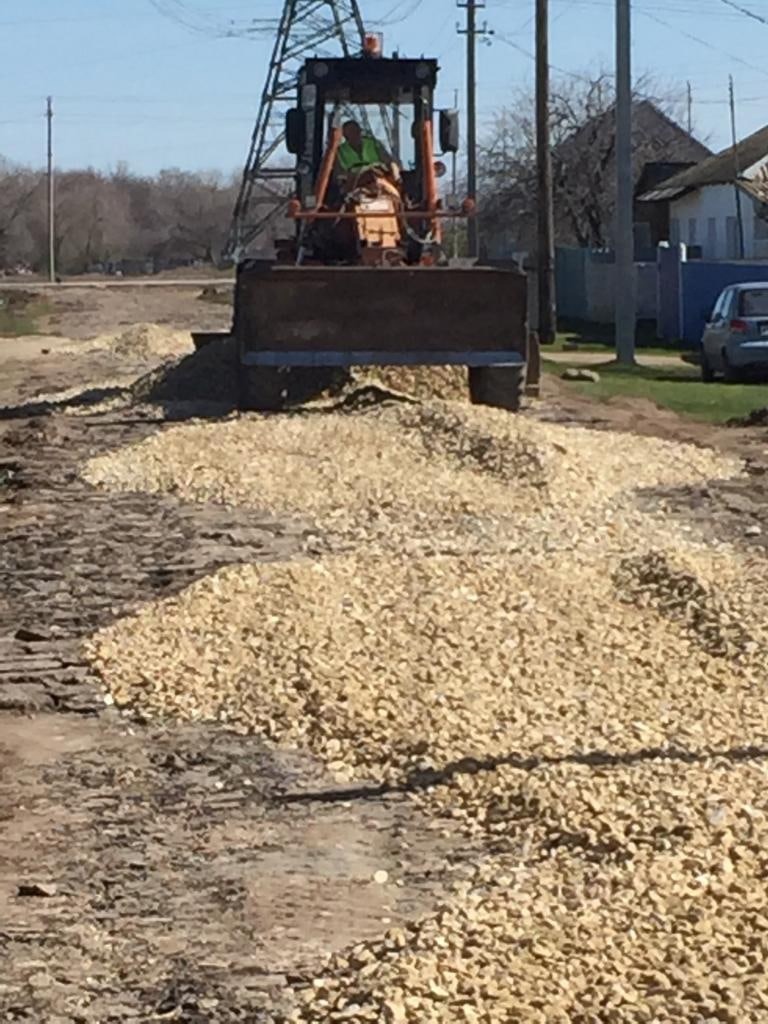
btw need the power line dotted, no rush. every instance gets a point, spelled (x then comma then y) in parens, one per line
(205, 24)
(202, 22)
(702, 42)
(687, 7)
(745, 11)
(531, 56)
(389, 18)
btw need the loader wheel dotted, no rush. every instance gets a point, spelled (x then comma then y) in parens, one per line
(260, 388)
(500, 386)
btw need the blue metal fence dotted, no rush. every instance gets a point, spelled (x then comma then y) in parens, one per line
(702, 282)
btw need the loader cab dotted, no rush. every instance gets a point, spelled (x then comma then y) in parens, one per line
(391, 98)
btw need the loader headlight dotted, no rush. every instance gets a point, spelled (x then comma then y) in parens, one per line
(320, 70)
(422, 71)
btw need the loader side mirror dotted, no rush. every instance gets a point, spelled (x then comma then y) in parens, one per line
(294, 131)
(449, 131)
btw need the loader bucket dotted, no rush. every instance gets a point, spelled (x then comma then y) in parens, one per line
(345, 316)
(298, 328)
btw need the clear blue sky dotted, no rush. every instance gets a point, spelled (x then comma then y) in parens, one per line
(131, 84)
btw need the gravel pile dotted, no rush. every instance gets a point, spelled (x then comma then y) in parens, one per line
(208, 374)
(138, 343)
(434, 477)
(645, 902)
(429, 382)
(386, 666)
(577, 687)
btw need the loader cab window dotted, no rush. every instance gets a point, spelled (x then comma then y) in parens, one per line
(390, 127)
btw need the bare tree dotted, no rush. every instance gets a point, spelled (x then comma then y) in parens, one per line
(583, 158)
(196, 209)
(18, 186)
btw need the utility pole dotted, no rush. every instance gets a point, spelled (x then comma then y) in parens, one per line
(625, 254)
(471, 31)
(454, 184)
(689, 96)
(396, 122)
(736, 167)
(51, 204)
(545, 262)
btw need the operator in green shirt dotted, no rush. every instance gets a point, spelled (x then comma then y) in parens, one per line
(359, 152)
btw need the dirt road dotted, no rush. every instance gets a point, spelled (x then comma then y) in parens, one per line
(154, 870)
(596, 358)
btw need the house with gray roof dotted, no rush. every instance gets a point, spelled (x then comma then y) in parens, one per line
(707, 202)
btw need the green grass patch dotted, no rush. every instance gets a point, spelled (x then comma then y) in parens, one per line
(678, 388)
(589, 337)
(20, 313)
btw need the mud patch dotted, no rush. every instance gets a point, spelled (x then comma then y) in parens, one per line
(173, 880)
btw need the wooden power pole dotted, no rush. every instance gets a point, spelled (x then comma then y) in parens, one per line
(51, 197)
(471, 31)
(545, 263)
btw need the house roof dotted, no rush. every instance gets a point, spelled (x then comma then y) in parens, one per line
(656, 131)
(717, 170)
(657, 171)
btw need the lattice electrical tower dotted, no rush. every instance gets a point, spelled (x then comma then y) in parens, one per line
(307, 28)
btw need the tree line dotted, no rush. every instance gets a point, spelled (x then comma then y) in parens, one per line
(108, 220)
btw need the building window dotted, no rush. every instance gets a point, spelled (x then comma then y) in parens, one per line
(692, 231)
(761, 229)
(674, 231)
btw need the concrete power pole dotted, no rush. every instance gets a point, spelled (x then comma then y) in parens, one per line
(689, 105)
(625, 255)
(736, 167)
(545, 263)
(471, 31)
(51, 203)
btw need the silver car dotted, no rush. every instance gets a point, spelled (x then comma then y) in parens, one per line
(735, 341)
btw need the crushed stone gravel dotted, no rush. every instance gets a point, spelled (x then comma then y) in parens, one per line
(407, 476)
(495, 627)
(209, 374)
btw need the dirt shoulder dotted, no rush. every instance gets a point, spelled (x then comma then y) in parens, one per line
(84, 312)
(158, 871)
(153, 873)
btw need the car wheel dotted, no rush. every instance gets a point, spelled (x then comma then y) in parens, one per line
(731, 373)
(707, 373)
